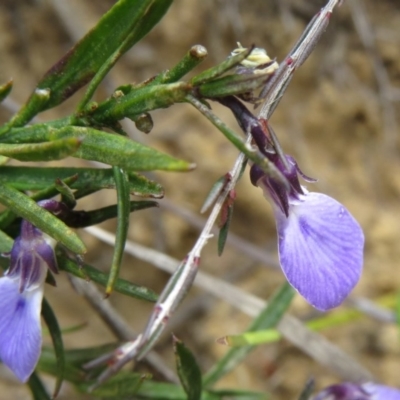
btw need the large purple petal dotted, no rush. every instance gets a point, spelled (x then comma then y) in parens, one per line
(20, 330)
(381, 392)
(320, 249)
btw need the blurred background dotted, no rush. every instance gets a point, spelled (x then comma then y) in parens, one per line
(339, 119)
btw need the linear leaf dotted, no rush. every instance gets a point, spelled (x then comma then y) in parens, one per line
(188, 370)
(82, 62)
(37, 178)
(82, 219)
(37, 388)
(105, 147)
(48, 151)
(55, 332)
(123, 286)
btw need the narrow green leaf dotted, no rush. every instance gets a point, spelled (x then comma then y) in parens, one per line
(334, 319)
(150, 16)
(188, 370)
(108, 148)
(191, 60)
(7, 216)
(25, 207)
(80, 356)
(268, 318)
(123, 384)
(238, 394)
(48, 364)
(55, 332)
(121, 152)
(232, 85)
(67, 195)
(223, 232)
(86, 271)
(153, 15)
(37, 178)
(121, 181)
(138, 101)
(83, 61)
(397, 310)
(220, 69)
(5, 89)
(89, 218)
(214, 193)
(6, 242)
(37, 388)
(251, 338)
(48, 151)
(38, 100)
(160, 391)
(167, 391)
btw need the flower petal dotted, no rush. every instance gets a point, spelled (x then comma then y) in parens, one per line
(345, 391)
(320, 249)
(381, 392)
(354, 391)
(20, 330)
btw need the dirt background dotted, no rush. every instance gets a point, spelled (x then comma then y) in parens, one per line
(339, 119)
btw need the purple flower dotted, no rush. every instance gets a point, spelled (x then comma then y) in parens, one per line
(21, 293)
(320, 243)
(365, 391)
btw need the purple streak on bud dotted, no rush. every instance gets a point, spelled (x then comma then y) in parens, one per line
(31, 250)
(320, 243)
(57, 208)
(352, 391)
(249, 124)
(275, 189)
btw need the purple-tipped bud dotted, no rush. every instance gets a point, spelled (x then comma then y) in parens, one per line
(365, 391)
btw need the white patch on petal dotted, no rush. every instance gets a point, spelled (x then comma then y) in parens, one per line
(20, 330)
(320, 249)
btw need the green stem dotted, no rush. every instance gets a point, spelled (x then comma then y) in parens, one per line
(254, 155)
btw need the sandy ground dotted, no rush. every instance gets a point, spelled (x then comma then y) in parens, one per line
(339, 119)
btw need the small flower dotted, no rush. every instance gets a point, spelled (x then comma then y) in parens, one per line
(21, 293)
(320, 243)
(365, 391)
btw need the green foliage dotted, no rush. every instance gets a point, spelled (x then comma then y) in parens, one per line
(268, 318)
(188, 370)
(81, 135)
(55, 332)
(5, 90)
